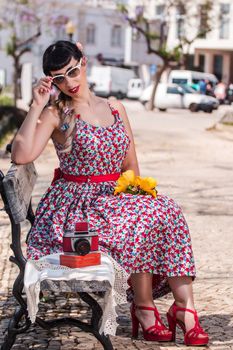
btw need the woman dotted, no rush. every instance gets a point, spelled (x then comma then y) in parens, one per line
(148, 237)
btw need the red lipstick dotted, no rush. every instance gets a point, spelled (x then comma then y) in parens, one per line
(74, 90)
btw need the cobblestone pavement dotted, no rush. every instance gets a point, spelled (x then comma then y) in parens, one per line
(192, 165)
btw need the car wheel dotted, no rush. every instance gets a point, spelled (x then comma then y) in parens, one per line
(162, 109)
(209, 110)
(147, 105)
(120, 95)
(193, 107)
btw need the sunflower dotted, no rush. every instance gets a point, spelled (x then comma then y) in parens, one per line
(126, 180)
(146, 185)
(129, 183)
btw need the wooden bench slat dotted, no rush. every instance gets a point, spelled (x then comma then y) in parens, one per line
(18, 185)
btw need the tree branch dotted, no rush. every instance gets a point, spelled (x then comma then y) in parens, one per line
(30, 39)
(24, 50)
(164, 56)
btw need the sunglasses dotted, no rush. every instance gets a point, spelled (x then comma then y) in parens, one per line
(71, 73)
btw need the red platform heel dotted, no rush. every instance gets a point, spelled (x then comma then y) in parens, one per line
(192, 337)
(157, 332)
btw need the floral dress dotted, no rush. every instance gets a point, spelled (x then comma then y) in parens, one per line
(142, 233)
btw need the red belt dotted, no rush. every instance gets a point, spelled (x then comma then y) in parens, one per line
(58, 174)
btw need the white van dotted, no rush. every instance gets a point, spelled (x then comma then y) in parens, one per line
(188, 77)
(135, 88)
(110, 81)
(175, 96)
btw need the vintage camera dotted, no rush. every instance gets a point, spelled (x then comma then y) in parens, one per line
(82, 241)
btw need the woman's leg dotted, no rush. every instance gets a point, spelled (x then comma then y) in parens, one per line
(182, 291)
(142, 287)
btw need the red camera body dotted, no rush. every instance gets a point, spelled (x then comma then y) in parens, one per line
(80, 247)
(82, 241)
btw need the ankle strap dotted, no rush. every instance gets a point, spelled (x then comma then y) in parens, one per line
(149, 308)
(156, 313)
(176, 308)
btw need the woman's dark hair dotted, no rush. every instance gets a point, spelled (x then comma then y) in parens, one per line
(59, 54)
(55, 57)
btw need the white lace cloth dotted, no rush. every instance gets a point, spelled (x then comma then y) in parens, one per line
(48, 268)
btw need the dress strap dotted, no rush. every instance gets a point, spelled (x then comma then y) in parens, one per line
(114, 111)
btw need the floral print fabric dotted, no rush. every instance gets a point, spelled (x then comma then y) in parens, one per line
(142, 233)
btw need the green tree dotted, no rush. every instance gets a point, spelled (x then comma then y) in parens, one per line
(156, 32)
(14, 15)
(29, 15)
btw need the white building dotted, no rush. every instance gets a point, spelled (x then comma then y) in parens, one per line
(103, 31)
(97, 25)
(214, 52)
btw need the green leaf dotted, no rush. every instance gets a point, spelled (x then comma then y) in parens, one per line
(122, 8)
(23, 2)
(152, 36)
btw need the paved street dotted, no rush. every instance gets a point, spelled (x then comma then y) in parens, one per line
(193, 163)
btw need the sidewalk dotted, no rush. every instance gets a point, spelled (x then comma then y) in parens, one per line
(192, 165)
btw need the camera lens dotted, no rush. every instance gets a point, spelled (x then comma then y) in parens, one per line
(82, 246)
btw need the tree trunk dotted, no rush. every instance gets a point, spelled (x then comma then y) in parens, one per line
(158, 75)
(185, 61)
(15, 79)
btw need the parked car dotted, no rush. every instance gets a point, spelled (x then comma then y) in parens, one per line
(135, 88)
(176, 96)
(110, 81)
(229, 94)
(190, 78)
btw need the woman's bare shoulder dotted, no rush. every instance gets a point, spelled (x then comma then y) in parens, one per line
(116, 104)
(51, 112)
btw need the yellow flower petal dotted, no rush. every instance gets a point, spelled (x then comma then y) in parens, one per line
(147, 184)
(122, 185)
(126, 179)
(153, 193)
(138, 181)
(151, 182)
(129, 176)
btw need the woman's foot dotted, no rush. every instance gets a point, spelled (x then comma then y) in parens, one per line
(151, 323)
(188, 321)
(147, 318)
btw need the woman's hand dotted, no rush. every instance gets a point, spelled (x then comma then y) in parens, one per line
(41, 92)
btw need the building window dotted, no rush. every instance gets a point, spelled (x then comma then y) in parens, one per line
(116, 36)
(90, 39)
(224, 29)
(202, 62)
(218, 66)
(159, 10)
(180, 15)
(58, 26)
